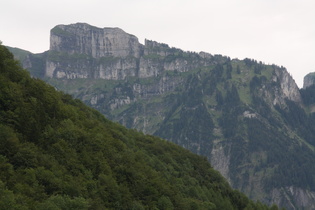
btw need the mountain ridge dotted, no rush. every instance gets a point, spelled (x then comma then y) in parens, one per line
(57, 153)
(249, 119)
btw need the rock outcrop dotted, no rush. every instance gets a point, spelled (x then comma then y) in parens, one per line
(309, 80)
(287, 89)
(84, 51)
(293, 198)
(82, 38)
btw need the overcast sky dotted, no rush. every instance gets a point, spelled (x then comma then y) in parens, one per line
(280, 32)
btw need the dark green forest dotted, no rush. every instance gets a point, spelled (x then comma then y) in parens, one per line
(56, 153)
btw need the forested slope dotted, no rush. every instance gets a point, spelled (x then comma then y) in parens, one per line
(56, 153)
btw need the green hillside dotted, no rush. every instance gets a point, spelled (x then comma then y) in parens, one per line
(56, 153)
(225, 112)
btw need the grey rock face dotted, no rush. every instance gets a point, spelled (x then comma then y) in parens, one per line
(293, 198)
(117, 70)
(309, 80)
(82, 38)
(149, 68)
(282, 87)
(288, 88)
(220, 161)
(164, 85)
(84, 51)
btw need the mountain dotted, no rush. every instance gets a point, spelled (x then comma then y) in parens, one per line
(309, 80)
(56, 153)
(249, 119)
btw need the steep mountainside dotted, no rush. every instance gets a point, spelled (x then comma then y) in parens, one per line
(249, 119)
(56, 153)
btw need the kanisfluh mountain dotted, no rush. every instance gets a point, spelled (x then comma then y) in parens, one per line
(249, 119)
(57, 153)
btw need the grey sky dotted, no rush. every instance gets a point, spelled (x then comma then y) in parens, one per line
(280, 32)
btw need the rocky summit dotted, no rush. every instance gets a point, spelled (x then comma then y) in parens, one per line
(84, 51)
(85, 39)
(249, 119)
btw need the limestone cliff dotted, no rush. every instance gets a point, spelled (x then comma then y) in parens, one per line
(284, 88)
(84, 51)
(82, 38)
(288, 88)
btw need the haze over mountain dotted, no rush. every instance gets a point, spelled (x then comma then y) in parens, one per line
(249, 119)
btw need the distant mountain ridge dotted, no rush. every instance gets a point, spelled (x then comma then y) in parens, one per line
(249, 119)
